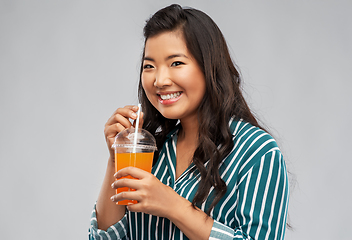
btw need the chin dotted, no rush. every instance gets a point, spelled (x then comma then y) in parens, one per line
(169, 115)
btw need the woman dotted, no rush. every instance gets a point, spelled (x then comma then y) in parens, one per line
(217, 174)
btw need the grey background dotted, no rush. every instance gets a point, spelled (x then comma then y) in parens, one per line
(65, 66)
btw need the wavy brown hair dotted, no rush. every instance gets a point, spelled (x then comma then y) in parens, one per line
(223, 97)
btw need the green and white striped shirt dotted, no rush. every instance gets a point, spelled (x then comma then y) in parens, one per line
(254, 206)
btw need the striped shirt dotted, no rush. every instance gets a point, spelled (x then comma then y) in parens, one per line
(254, 206)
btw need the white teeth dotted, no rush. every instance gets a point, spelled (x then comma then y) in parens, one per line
(169, 96)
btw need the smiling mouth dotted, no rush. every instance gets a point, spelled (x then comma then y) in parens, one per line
(170, 96)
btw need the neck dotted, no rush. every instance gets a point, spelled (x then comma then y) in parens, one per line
(189, 131)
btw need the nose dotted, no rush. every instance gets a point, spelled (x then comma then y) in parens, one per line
(162, 78)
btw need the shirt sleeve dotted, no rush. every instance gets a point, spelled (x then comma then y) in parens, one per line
(261, 206)
(115, 232)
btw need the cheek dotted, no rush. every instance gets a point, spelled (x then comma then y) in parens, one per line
(198, 84)
(147, 85)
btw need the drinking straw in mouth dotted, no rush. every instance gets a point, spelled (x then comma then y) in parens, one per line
(136, 129)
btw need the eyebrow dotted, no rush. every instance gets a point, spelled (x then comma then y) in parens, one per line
(167, 58)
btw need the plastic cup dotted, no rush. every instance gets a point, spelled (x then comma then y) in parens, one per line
(136, 149)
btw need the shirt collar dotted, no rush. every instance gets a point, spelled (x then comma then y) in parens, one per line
(174, 131)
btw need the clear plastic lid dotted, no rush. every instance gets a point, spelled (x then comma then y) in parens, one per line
(126, 139)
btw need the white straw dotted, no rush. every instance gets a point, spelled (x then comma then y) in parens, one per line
(136, 128)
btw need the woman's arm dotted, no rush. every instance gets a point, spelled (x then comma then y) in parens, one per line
(194, 223)
(261, 206)
(108, 212)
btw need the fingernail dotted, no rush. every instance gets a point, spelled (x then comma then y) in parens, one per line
(112, 198)
(112, 185)
(134, 115)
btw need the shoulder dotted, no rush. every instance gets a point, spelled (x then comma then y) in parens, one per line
(250, 145)
(251, 137)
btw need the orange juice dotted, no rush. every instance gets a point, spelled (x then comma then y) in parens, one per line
(140, 160)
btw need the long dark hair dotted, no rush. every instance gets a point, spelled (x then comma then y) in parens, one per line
(222, 101)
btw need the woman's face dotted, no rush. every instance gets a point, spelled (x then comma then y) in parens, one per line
(171, 77)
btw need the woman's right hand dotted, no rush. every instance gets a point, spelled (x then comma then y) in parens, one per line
(118, 122)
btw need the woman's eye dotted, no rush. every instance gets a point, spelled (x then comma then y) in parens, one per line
(175, 64)
(147, 66)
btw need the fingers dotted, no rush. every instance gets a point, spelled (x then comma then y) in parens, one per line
(119, 121)
(153, 196)
(122, 116)
(127, 183)
(125, 180)
(129, 177)
(128, 195)
(132, 171)
(133, 108)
